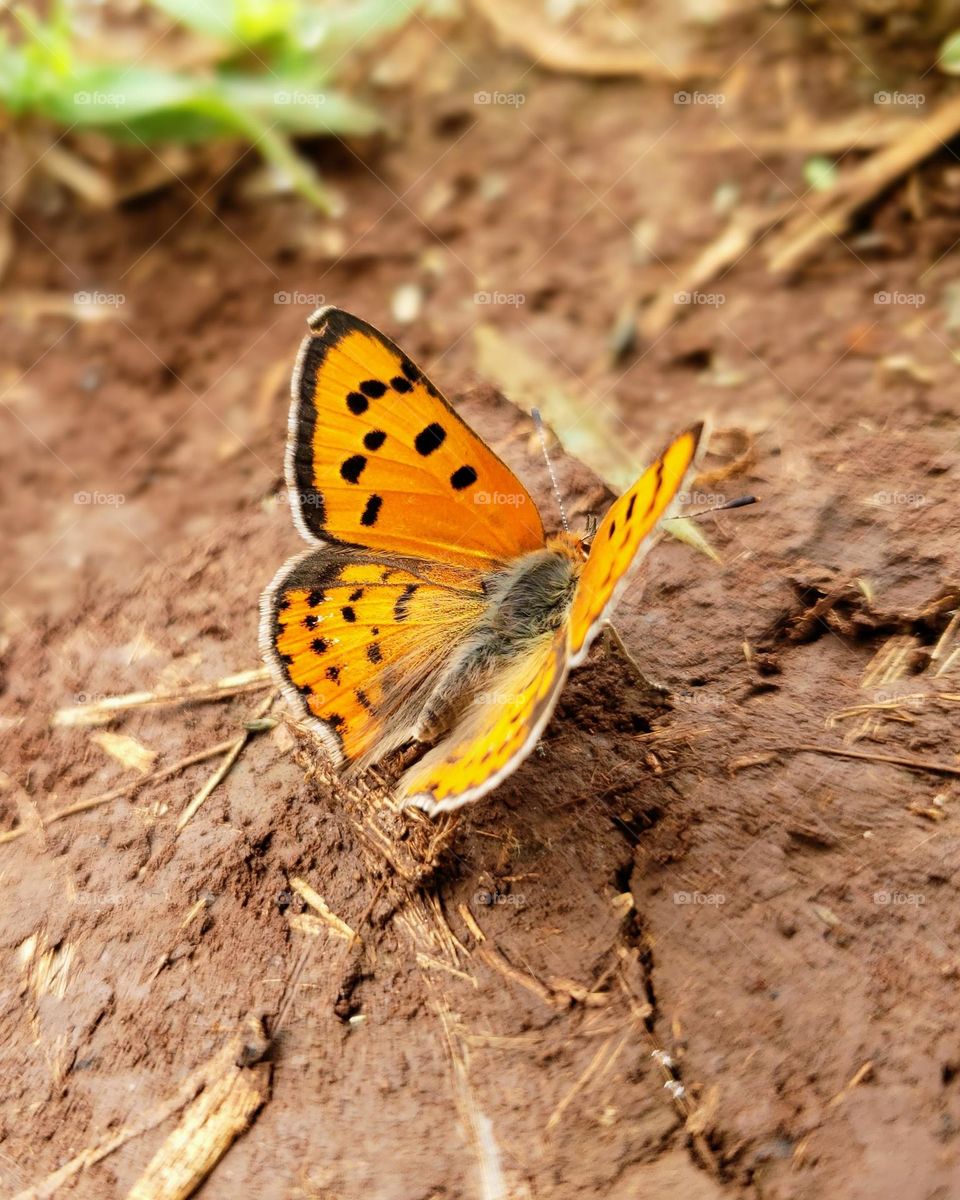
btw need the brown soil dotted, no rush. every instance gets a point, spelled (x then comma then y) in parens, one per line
(713, 966)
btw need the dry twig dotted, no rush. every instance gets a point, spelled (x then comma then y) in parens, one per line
(102, 711)
(233, 1089)
(896, 760)
(233, 753)
(827, 214)
(558, 50)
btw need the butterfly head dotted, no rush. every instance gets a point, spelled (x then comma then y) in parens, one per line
(569, 545)
(593, 524)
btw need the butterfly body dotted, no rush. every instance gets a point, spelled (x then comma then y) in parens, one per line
(533, 594)
(528, 601)
(426, 610)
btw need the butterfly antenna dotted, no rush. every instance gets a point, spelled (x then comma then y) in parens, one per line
(740, 502)
(538, 422)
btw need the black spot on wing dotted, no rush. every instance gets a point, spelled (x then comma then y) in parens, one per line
(310, 621)
(463, 477)
(355, 595)
(352, 468)
(333, 673)
(316, 598)
(399, 384)
(374, 652)
(633, 500)
(357, 403)
(348, 614)
(334, 719)
(283, 604)
(319, 645)
(656, 488)
(363, 700)
(372, 511)
(373, 388)
(401, 610)
(411, 372)
(374, 439)
(430, 439)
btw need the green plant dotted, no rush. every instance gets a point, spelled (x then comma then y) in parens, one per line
(269, 79)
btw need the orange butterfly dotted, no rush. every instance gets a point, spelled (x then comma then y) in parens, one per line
(431, 605)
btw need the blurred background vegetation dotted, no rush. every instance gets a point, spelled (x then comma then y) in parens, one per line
(163, 74)
(798, 117)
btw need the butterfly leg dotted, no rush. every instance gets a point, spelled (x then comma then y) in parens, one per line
(612, 637)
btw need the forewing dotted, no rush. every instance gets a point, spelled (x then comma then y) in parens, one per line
(376, 457)
(623, 538)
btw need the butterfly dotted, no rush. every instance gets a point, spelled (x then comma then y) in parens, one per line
(431, 606)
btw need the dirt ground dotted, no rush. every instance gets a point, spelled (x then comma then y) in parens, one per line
(674, 954)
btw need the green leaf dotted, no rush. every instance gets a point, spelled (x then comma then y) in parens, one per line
(271, 84)
(107, 96)
(345, 26)
(949, 58)
(690, 533)
(215, 18)
(820, 173)
(297, 106)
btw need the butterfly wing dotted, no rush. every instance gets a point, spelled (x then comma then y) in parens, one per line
(619, 542)
(377, 457)
(495, 734)
(356, 640)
